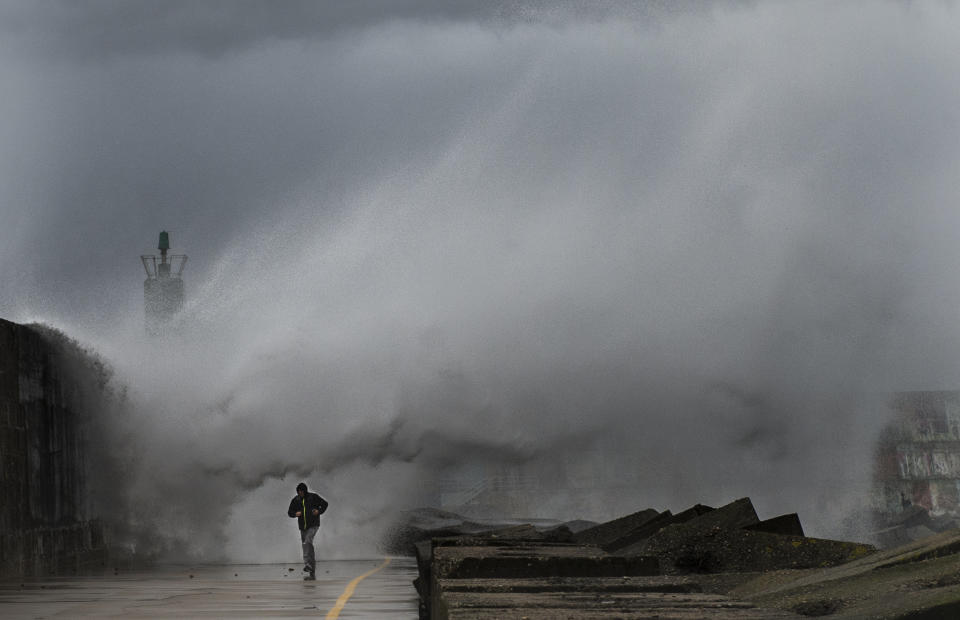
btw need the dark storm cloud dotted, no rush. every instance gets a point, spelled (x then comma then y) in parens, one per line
(95, 29)
(103, 28)
(123, 118)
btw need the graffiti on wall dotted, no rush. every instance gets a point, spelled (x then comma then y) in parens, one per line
(918, 460)
(922, 464)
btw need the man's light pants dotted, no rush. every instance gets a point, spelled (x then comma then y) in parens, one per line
(306, 537)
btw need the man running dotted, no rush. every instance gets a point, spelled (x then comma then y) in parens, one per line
(306, 508)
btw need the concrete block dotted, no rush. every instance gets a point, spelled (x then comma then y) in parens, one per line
(721, 550)
(640, 532)
(610, 531)
(524, 531)
(788, 525)
(657, 583)
(655, 525)
(578, 525)
(535, 560)
(736, 514)
(598, 605)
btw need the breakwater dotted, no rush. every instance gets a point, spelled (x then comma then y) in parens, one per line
(47, 523)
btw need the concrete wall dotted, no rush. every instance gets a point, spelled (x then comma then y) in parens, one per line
(45, 523)
(919, 454)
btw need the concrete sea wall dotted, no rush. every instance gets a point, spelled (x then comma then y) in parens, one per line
(46, 523)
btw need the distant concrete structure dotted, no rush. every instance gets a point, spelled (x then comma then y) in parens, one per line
(163, 288)
(918, 460)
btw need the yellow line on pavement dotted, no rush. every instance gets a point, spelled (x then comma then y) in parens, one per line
(334, 613)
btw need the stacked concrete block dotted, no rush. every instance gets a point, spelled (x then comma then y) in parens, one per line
(646, 564)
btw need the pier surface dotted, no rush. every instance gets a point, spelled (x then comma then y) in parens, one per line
(244, 591)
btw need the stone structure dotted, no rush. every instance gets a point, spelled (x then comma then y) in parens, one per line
(918, 460)
(684, 566)
(45, 522)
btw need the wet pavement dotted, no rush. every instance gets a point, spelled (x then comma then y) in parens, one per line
(250, 591)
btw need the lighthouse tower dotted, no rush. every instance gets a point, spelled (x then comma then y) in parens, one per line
(163, 288)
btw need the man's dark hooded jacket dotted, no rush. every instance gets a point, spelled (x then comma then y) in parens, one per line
(305, 506)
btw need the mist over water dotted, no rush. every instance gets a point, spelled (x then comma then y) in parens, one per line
(707, 242)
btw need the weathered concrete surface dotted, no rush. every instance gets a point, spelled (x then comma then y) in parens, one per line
(729, 550)
(53, 550)
(511, 539)
(656, 583)
(788, 525)
(524, 560)
(654, 525)
(736, 514)
(917, 580)
(247, 591)
(45, 523)
(493, 557)
(585, 598)
(705, 553)
(673, 528)
(732, 539)
(590, 605)
(610, 531)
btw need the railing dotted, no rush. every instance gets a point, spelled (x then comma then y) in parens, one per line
(149, 260)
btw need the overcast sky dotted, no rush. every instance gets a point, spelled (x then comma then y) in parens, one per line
(711, 228)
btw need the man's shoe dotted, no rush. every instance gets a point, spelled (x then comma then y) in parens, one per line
(310, 577)
(307, 569)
